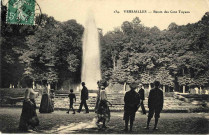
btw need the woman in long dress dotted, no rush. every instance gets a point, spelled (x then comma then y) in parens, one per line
(103, 111)
(28, 116)
(46, 105)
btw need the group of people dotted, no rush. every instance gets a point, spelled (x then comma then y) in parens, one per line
(132, 99)
(29, 117)
(84, 97)
(102, 104)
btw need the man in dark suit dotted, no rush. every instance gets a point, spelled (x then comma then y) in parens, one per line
(155, 104)
(84, 97)
(141, 95)
(131, 100)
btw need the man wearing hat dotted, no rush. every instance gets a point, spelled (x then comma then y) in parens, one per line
(155, 104)
(84, 97)
(141, 96)
(131, 100)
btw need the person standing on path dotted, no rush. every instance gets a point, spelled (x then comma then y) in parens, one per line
(46, 105)
(131, 100)
(155, 104)
(28, 116)
(103, 111)
(141, 96)
(84, 97)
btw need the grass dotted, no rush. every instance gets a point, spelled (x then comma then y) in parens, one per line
(169, 123)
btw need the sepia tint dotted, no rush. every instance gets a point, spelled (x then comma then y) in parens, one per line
(104, 67)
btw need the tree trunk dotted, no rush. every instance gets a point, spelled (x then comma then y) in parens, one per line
(33, 84)
(48, 88)
(150, 87)
(164, 90)
(114, 62)
(124, 87)
(200, 90)
(18, 84)
(176, 84)
(184, 88)
(78, 88)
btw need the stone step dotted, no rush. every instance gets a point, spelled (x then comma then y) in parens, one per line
(61, 100)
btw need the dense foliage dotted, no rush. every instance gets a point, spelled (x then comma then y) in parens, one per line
(52, 51)
(176, 56)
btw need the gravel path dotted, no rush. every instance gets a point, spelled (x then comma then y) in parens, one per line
(60, 122)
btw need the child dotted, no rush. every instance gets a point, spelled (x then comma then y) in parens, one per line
(71, 97)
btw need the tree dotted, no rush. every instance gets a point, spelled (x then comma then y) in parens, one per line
(54, 51)
(176, 56)
(113, 44)
(12, 42)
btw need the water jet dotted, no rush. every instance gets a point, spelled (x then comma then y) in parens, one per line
(91, 70)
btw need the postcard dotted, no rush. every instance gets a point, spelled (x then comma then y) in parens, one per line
(104, 67)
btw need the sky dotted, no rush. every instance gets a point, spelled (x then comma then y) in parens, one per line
(106, 19)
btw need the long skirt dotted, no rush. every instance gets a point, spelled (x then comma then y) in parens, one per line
(46, 105)
(103, 112)
(97, 106)
(28, 116)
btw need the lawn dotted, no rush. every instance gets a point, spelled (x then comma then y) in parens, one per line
(60, 122)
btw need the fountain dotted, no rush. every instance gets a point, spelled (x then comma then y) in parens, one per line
(91, 71)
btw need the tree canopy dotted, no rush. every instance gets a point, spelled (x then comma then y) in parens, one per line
(52, 51)
(177, 55)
